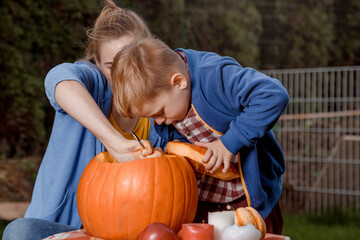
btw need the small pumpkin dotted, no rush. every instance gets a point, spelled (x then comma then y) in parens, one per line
(119, 200)
(249, 215)
(194, 154)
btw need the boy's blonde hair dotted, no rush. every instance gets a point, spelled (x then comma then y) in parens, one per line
(140, 72)
(112, 23)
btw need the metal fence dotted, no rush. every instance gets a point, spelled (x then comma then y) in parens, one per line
(320, 135)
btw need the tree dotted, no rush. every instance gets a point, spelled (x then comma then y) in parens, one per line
(35, 37)
(230, 27)
(347, 33)
(304, 34)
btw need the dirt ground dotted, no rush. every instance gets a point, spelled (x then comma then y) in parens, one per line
(17, 178)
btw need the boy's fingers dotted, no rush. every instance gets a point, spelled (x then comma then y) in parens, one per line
(202, 144)
(207, 156)
(226, 166)
(211, 163)
(217, 165)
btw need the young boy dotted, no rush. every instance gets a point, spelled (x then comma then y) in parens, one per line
(211, 101)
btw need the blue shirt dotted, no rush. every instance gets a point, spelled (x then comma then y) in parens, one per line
(70, 148)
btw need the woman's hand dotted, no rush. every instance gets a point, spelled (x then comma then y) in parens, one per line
(131, 150)
(216, 155)
(76, 101)
(126, 150)
(158, 152)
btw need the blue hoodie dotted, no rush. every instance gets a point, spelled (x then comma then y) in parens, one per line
(243, 105)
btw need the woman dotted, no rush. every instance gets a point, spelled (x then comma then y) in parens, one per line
(85, 124)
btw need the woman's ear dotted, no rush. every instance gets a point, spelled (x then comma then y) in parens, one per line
(179, 80)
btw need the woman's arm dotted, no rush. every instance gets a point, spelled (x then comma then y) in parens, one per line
(76, 101)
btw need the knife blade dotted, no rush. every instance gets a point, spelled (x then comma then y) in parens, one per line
(137, 139)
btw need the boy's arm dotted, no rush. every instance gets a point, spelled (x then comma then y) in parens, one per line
(259, 100)
(254, 99)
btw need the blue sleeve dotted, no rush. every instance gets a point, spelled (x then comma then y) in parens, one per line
(155, 138)
(258, 98)
(82, 72)
(169, 133)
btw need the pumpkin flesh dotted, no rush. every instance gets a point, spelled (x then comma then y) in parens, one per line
(194, 155)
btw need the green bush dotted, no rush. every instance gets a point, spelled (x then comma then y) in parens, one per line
(35, 37)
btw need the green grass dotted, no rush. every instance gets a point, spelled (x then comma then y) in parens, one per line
(336, 225)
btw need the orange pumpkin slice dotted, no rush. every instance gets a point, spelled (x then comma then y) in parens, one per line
(194, 155)
(249, 215)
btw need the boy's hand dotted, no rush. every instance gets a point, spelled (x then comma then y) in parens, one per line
(216, 155)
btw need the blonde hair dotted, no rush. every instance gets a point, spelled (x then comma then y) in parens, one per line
(112, 23)
(140, 72)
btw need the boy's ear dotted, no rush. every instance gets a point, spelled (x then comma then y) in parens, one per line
(179, 80)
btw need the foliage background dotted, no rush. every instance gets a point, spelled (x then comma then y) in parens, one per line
(264, 34)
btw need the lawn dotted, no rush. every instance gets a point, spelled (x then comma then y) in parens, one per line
(336, 225)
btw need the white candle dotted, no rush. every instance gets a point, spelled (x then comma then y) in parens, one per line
(220, 220)
(235, 232)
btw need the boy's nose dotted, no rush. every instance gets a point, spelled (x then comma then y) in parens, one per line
(159, 121)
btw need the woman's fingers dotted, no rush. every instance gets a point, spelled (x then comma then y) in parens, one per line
(155, 154)
(148, 148)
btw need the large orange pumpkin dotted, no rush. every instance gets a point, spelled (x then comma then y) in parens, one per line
(119, 200)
